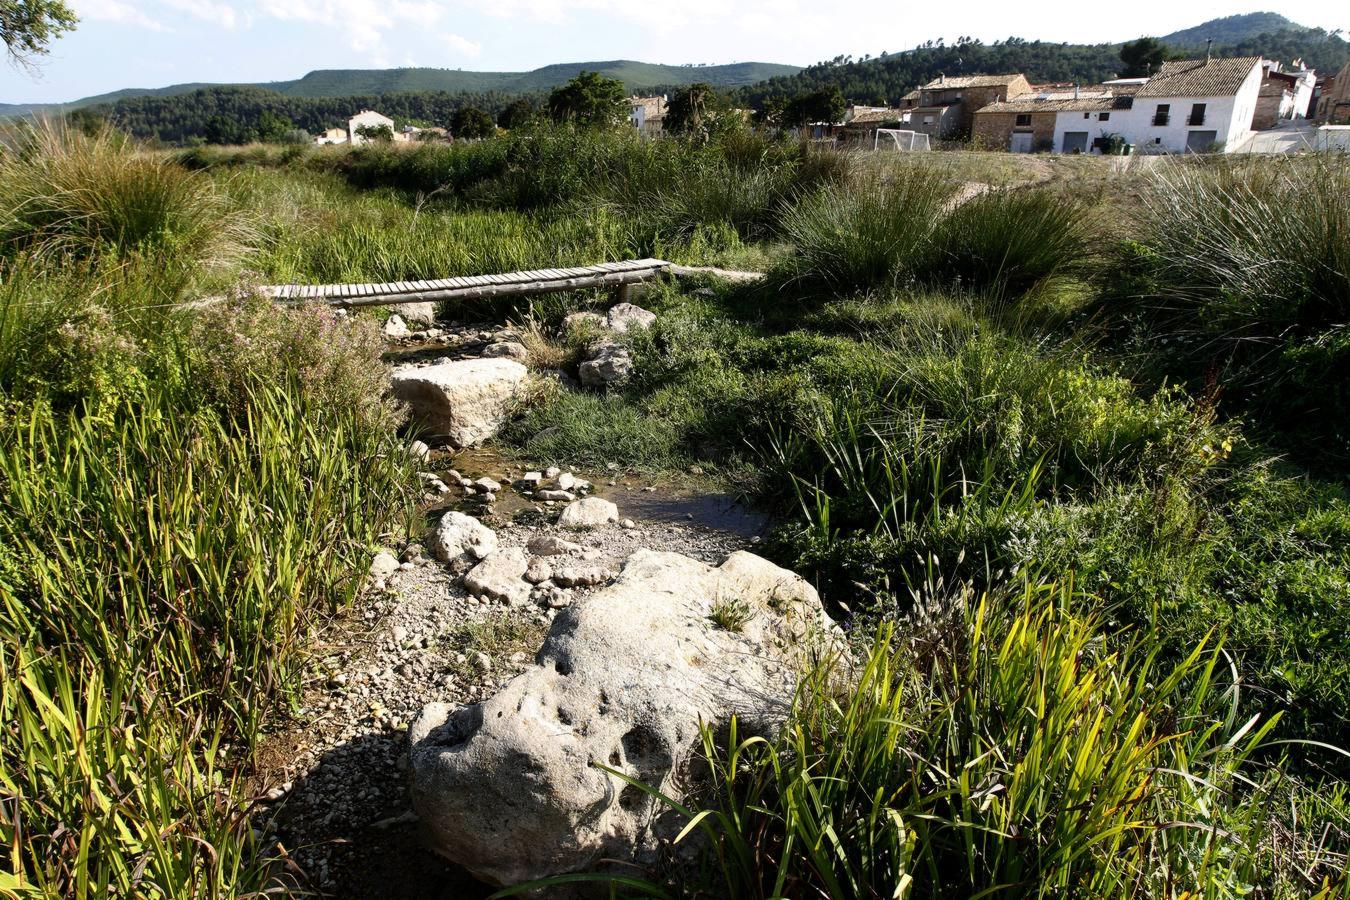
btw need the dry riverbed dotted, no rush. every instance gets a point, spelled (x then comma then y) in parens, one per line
(335, 806)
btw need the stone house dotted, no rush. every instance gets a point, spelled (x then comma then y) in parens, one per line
(946, 106)
(1284, 96)
(647, 114)
(1027, 123)
(1334, 106)
(861, 124)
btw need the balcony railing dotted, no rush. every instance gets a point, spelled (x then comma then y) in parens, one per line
(1161, 118)
(1196, 119)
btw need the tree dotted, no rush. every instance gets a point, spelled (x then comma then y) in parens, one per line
(1142, 57)
(694, 109)
(28, 26)
(519, 113)
(824, 105)
(470, 122)
(588, 101)
(273, 128)
(382, 134)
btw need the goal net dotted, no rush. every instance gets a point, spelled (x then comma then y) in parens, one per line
(900, 139)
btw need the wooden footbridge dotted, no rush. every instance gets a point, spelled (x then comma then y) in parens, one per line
(617, 275)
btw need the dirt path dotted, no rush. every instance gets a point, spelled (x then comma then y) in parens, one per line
(334, 771)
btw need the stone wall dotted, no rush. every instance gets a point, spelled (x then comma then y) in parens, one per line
(994, 130)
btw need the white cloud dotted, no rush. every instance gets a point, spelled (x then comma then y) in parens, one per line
(462, 45)
(223, 15)
(116, 11)
(364, 22)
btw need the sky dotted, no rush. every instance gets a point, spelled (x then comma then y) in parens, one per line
(153, 43)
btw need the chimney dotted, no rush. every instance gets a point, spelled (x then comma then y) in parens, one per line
(942, 78)
(1075, 90)
(1209, 44)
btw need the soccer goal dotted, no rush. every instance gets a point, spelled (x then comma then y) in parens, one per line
(899, 139)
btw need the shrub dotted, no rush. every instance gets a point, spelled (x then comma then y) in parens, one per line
(68, 193)
(1005, 242)
(331, 362)
(864, 235)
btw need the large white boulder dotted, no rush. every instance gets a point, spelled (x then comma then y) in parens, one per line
(512, 788)
(466, 401)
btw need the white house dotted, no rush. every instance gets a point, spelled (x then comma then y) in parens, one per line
(367, 118)
(647, 114)
(1190, 105)
(332, 136)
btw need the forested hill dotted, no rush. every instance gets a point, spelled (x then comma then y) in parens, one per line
(233, 115)
(884, 79)
(335, 83)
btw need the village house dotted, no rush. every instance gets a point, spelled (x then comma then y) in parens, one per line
(368, 118)
(1334, 105)
(1193, 105)
(861, 123)
(946, 106)
(1284, 96)
(647, 114)
(332, 136)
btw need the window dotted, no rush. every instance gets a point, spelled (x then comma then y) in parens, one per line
(1103, 117)
(1163, 114)
(1197, 114)
(928, 120)
(1023, 120)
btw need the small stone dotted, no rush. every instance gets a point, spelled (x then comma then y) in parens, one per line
(587, 513)
(552, 472)
(507, 350)
(627, 524)
(566, 480)
(383, 565)
(548, 494)
(395, 327)
(499, 576)
(581, 576)
(626, 316)
(487, 485)
(611, 467)
(696, 470)
(552, 545)
(538, 570)
(591, 555)
(399, 633)
(482, 660)
(419, 450)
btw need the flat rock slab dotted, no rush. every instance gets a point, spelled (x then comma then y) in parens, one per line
(465, 401)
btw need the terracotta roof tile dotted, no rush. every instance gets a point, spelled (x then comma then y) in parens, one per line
(1200, 78)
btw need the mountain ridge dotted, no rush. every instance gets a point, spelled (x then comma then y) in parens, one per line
(327, 83)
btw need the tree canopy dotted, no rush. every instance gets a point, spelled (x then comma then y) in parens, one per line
(471, 122)
(28, 26)
(519, 112)
(695, 109)
(589, 100)
(1142, 57)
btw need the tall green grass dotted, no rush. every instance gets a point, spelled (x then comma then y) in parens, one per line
(1005, 748)
(159, 569)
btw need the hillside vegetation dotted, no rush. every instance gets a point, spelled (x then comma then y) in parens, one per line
(358, 83)
(1067, 461)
